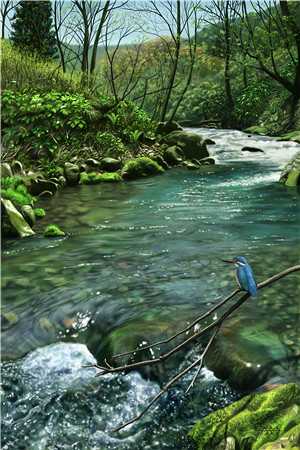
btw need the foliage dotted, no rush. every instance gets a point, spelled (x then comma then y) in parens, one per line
(42, 122)
(12, 188)
(109, 144)
(32, 28)
(53, 231)
(141, 167)
(39, 213)
(94, 178)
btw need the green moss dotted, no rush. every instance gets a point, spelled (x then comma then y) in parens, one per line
(39, 213)
(19, 195)
(141, 167)
(292, 136)
(253, 421)
(53, 231)
(256, 129)
(11, 182)
(94, 178)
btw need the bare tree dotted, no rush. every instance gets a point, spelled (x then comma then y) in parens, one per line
(7, 8)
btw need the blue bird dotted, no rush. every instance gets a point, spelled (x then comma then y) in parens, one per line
(244, 274)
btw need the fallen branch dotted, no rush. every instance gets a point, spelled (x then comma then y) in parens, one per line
(213, 326)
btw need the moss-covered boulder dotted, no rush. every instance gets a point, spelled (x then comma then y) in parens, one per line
(72, 173)
(173, 155)
(255, 422)
(95, 178)
(39, 213)
(290, 176)
(167, 127)
(291, 136)
(14, 218)
(192, 144)
(28, 213)
(53, 231)
(141, 167)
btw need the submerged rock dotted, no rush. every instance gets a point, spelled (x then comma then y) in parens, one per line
(16, 219)
(141, 167)
(252, 150)
(290, 176)
(53, 231)
(192, 144)
(255, 422)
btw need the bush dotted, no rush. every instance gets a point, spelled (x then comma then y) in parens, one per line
(109, 144)
(13, 189)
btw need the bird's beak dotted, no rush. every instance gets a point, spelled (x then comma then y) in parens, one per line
(231, 261)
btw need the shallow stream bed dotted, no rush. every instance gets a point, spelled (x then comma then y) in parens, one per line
(142, 256)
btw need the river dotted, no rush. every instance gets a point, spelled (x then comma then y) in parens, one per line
(140, 258)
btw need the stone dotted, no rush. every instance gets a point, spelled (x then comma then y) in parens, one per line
(46, 194)
(6, 170)
(190, 165)
(172, 155)
(110, 164)
(16, 219)
(28, 214)
(83, 168)
(90, 162)
(62, 181)
(192, 144)
(257, 421)
(39, 213)
(208, 141)
(95, 178)
(141, 167)
(290, 175)
(167, 127)
(252, 150)
(38, 186)
(17, 168)
(72, 173)
(207, 161)
(291, 136)
(8, 319)
(256, 129)
(160, 160)
(243, 352)
(53, 231)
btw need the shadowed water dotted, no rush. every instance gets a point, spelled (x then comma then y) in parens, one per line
(143, 255)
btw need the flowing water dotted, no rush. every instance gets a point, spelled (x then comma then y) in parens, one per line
(139, 260)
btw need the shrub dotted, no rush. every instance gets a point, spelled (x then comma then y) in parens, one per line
(109, 144)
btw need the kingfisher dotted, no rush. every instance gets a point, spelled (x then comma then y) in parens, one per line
(244, 274)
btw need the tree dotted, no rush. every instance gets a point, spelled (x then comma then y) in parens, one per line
(32, 28)
(7, 7)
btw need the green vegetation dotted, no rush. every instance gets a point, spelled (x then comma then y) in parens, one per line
(12, 188)
(53, 231)
(39, 213)
(94, 178)
(253, 421)
(141, 167)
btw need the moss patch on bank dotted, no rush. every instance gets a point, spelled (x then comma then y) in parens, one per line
(253, 421)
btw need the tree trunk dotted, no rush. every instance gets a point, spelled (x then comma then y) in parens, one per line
(228, 117)
(97, 37)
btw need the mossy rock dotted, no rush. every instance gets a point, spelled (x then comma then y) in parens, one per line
(15, 218)
(192, 144)
(256, 129)
(167, 127)
(292, 136)
(110, 164)
(141, 167)
(95, 178)
(71, 173)
(28, 214)
(6, 170)
(254, 421)
(160, 160)
(53, 231)
(39, 213)
(173, 155)
(290, 176)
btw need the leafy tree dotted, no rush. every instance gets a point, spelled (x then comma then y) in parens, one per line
(32, 28)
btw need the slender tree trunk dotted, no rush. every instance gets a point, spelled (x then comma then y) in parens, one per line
(175, 64)
(98, 35)
(228, 120)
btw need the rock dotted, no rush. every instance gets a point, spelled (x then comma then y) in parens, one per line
(291, 136)
(290, 176)
(252, 150)
(167, 127)
(39, 213)
(141, 167)
(160, 160)
(172, 155)
(8, 319)
(83, 168)
(72, 173)
(38, 186)
(207, 161)
(62, 181)
(208, 141)
(256, 129)
(17, 168)
(28, 214)
(46, 194)
(192, 144)
(110, 164)
(243, 354)
(53, 231)
(16, 219)
(191, 165)
(90, 162)
(95, 178)
(6, 170)
(255, 421)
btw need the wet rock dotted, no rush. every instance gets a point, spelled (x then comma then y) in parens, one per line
(243, 354)
(207, 161)
(141, 167)
(6, 170)
(28, 214)
(94, 163)
(252, 150)
(256, 421)
(83, 168)
(8, 319)
(160, 160)
(17, 168)
(291, 136)
(16, 219)
(95, 178)
(208, 141)
(190, 165)
(38, 186)
(53, 231)
(46, 194)
(192, 144)
(62, 181)
(110, 164)
(72, 173)
(167, 127)
(290, 176)
(46, 325)
(172, 155)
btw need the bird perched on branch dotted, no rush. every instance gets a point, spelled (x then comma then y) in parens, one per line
(244, 274)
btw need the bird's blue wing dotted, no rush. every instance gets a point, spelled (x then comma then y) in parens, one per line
(247, 280)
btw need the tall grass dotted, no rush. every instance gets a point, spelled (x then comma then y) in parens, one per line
(20, 70)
